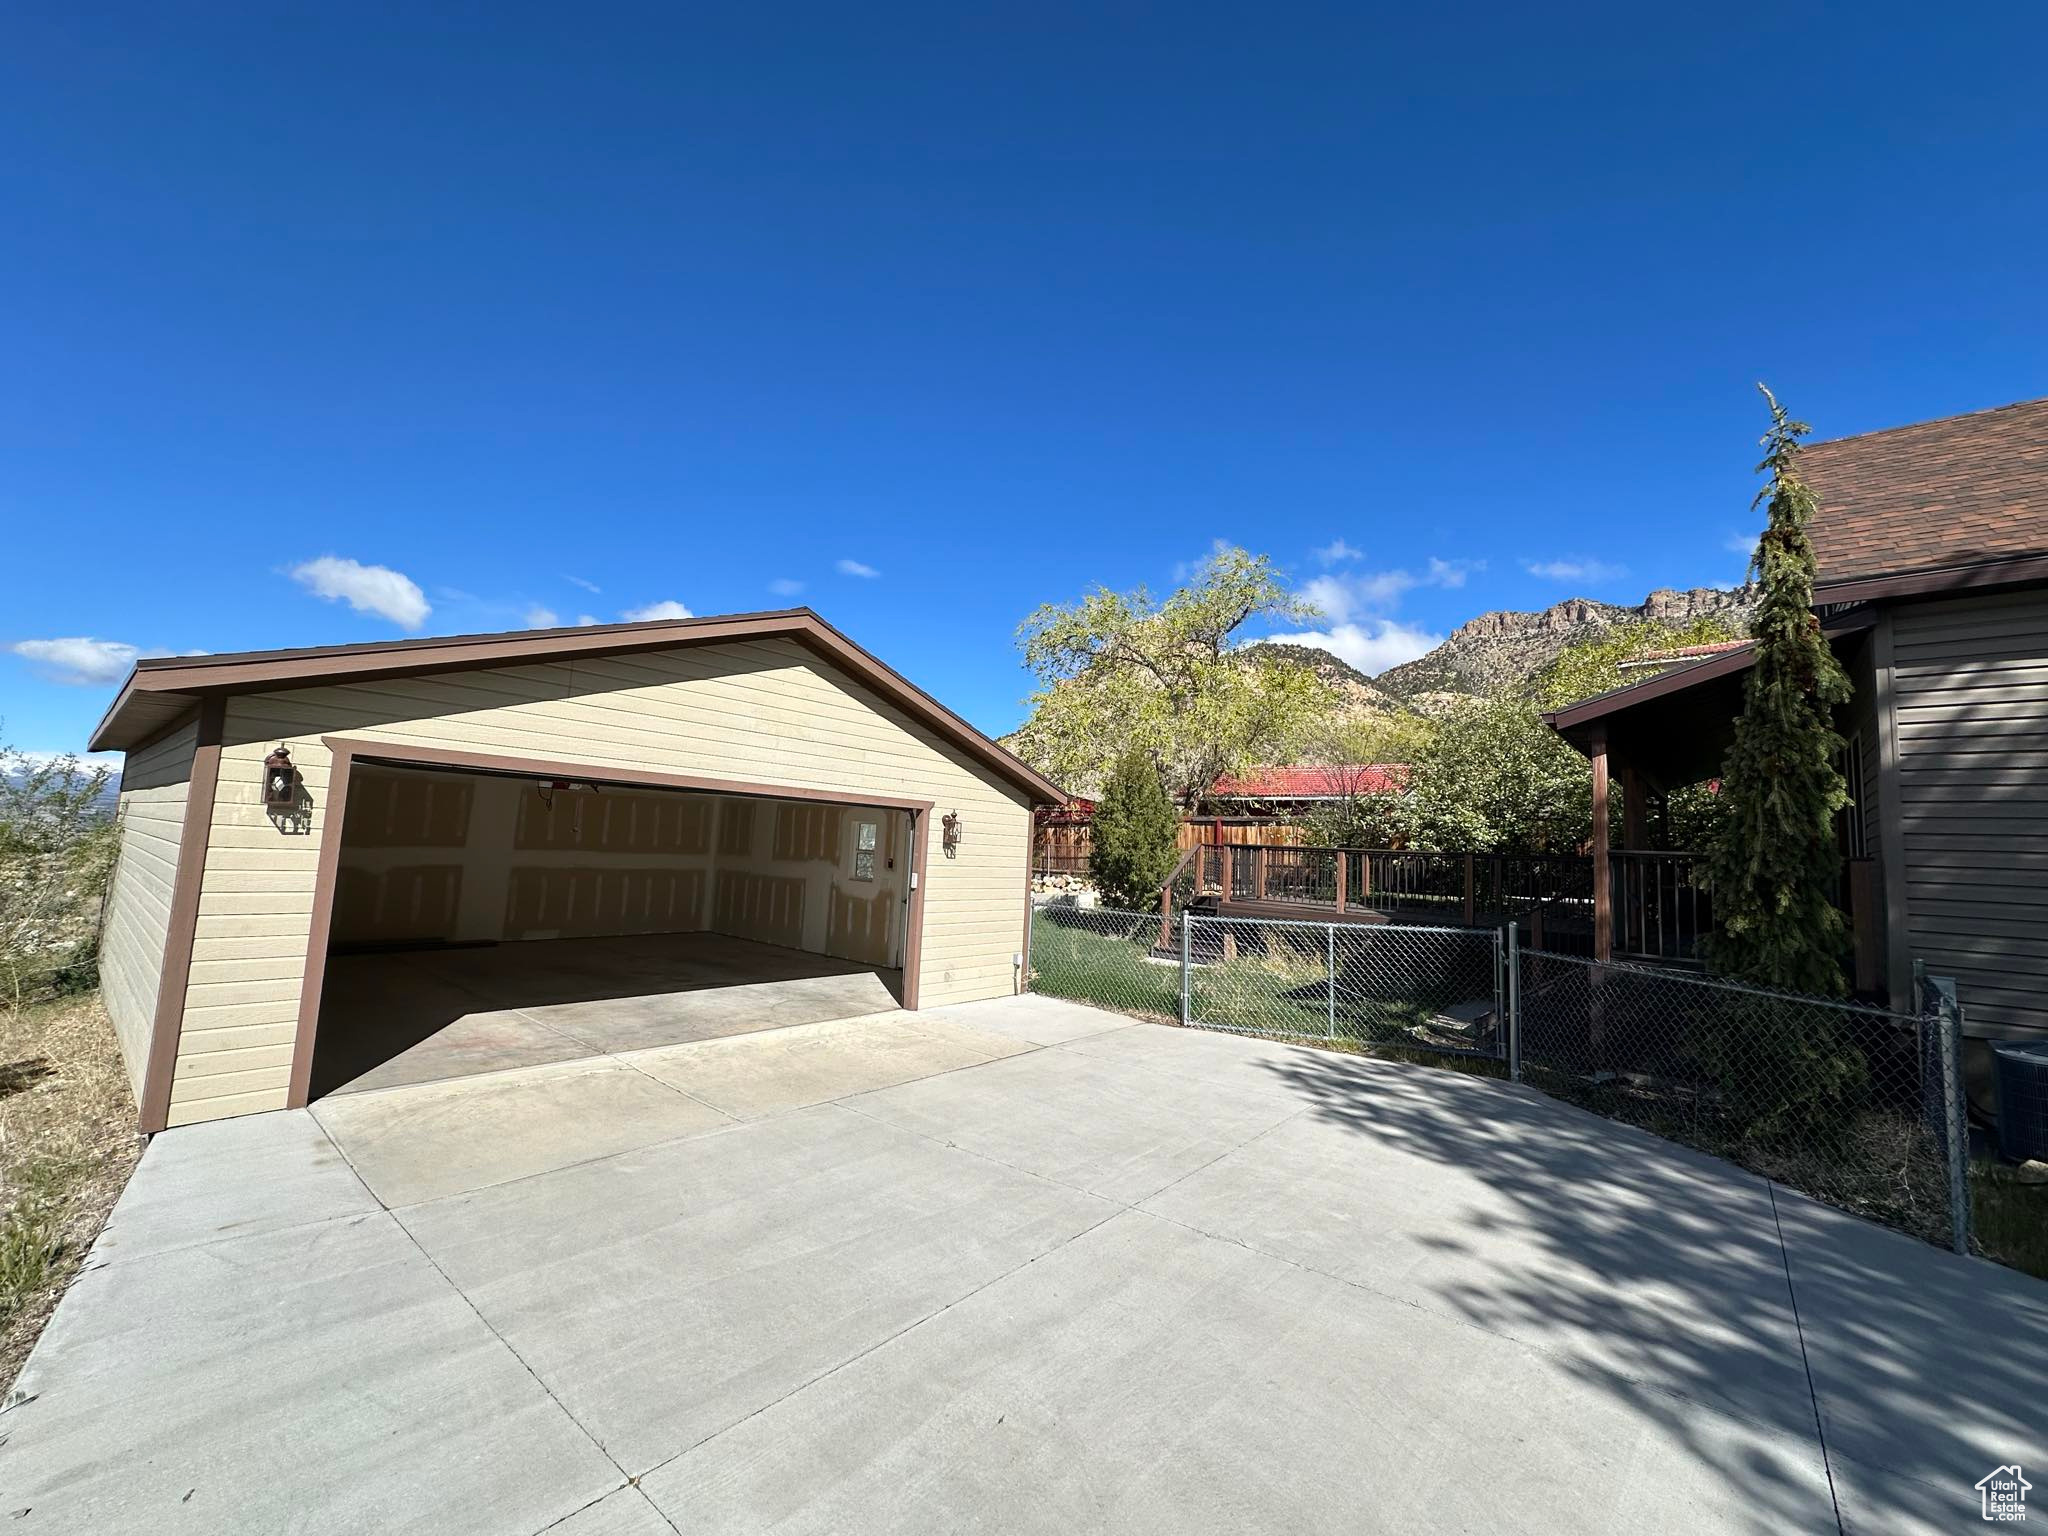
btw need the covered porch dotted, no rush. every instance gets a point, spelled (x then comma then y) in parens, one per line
(1671, 731)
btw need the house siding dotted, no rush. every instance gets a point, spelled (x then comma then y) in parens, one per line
(768, 712)
(1970, 735)
(154, 782)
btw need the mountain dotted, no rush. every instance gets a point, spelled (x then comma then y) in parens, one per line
(1495, 650)
(1358, 692)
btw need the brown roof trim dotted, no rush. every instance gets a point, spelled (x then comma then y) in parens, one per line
(190, 678)
(1680, 678)
(1924, 583)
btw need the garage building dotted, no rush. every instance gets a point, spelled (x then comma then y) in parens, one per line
(355, 866)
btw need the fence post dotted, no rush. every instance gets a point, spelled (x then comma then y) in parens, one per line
(1331, 933)
(1514, 1003)
(1187, 941)
(1468, 890)
(1343, 865)
(1955, 1122)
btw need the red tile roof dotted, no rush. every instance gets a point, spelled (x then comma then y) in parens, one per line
(1326, 783)
(1959, 491)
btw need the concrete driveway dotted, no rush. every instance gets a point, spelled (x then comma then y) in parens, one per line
(1016, 1266)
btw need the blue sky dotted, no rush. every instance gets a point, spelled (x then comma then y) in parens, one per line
(468, 316)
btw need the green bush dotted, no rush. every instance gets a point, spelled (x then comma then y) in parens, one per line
(1137, 832)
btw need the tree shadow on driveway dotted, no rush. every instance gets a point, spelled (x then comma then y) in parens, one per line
(1660, 1274)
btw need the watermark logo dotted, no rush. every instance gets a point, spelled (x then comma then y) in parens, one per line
(2005, 1495)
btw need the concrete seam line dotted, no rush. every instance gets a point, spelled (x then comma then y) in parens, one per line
(449, 1281)
(510, 1349)
(633, 1066)
(884, 1343)
(634, 1485)
(1820, 1432)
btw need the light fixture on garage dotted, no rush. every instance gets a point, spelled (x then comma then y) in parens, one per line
(951, 825)
(280, 780)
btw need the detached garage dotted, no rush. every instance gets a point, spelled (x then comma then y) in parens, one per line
(360, 866)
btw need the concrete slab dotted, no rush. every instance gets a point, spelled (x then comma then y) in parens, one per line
(1038, 1020)
(1359, 1296)
(474, 1043)
(1927, 1367)
(1478, 1200)
(314, 1378)
(1114, 1130)
(423, 1143)
(666, 1018)
(230, 1178)
(758, 1074)
(629, 1512)
(1145, 1378)
(668, 1293)
(414, 1016)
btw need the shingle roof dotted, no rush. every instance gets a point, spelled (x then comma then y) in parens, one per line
(1953, 492)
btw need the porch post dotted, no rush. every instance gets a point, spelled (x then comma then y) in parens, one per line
(1631, 807)
(1603, 896)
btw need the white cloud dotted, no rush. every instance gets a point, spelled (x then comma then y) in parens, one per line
(585, 620)
(788, 586)
(1450, 573)
(366, 588)
(578, 581)
(538, 617)
(1337, 550)
(1371, 645)
(668, 608)
(1574, 568)
(856, 568)
(1743, 544)
(78, 659)
(1341, 598)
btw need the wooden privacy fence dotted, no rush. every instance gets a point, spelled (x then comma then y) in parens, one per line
(1062, 847)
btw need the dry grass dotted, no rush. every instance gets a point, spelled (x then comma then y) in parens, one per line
(67, 1146)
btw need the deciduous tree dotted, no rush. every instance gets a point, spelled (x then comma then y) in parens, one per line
(1120, 669)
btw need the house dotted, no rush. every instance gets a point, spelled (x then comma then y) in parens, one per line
(314, 842)
(1932, 586)
(1285, 793)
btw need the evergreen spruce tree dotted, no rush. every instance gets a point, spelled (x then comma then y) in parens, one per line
(1136, 835)
(1774, 862)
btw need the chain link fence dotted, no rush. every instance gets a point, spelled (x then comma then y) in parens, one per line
(1109, 958)
(1857, 1106)
(1854, 1105)
(1402, 989)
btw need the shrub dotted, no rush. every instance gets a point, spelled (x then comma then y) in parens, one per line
(1137, 834)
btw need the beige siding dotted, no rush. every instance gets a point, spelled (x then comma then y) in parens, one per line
(763, 712)
(1970, 701)
(153, 785)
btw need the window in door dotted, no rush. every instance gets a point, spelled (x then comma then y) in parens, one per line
(864, 836)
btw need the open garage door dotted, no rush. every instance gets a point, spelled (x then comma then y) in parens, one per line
(484, 921)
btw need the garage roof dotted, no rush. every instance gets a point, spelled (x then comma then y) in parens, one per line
(161, 690)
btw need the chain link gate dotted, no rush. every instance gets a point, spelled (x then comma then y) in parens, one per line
(1367, 985)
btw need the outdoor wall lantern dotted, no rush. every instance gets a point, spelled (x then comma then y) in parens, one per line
(950, 826)
(280, 781)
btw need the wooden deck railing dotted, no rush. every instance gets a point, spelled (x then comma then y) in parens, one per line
(1663, 911)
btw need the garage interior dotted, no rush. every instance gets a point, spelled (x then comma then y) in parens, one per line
(487, 921)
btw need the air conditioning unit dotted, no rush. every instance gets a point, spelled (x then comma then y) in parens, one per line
(2022, 1075)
